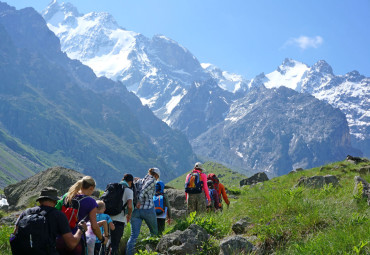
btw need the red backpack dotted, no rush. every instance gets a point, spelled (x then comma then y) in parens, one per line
(71, 210)
(215, 181)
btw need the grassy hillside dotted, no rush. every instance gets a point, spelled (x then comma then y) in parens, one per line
(283, 219)
(288, 220)
(227, 176)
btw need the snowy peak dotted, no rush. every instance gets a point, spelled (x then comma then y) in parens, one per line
(56, 13)
(288, 74)
(322, 67)
(227, 81)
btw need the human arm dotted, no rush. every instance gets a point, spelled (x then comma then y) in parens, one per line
(223, 192)
(104, 224)
(186, 180)
(129, 210)
(205, 187)
(111, 226)
(72, 240)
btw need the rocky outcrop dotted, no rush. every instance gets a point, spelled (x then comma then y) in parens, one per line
(235, 245)
(361, 184)
(240, 227)
(177, 202)
(256, 178)
(24, 193)
(356, 160)
(317, 181)
(183, 242)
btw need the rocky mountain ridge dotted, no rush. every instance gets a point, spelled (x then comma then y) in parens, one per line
(56, 111)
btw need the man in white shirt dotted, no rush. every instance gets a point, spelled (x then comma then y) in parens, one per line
(120, 220)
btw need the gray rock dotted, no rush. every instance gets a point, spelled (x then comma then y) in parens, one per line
(317, 181)
(24, 193)
(177, 202)
(240, 227)
(258, 177)
(365, 188)
(10, 219)
(183, 242)
(235, 245)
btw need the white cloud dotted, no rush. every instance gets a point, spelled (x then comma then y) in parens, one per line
(305, 42)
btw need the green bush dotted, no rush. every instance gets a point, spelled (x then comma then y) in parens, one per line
(5, 232)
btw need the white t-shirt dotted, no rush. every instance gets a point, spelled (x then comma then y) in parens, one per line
(127, 195)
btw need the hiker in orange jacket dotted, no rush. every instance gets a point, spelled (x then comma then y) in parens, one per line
(196, 190)
(220, 189)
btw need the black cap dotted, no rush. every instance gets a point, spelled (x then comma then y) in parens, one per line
(128, 178)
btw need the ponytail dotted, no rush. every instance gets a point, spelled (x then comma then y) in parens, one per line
(85, 183)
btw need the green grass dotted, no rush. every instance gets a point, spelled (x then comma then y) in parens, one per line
(284, 219)
(288, 220)
(227, 176)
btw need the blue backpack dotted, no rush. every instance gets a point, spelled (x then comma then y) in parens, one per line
(194, 185)
(158, 198)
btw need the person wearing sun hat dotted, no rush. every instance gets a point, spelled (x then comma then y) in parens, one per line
(57, 223)
(144, 209)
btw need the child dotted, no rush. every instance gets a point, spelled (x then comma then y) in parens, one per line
(214, 197)
(163, 208)
(102, 217)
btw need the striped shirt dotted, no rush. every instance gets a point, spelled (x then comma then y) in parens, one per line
(147, 192)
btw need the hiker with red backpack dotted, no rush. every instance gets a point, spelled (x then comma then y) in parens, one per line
(196, 190)
(36, 228)
(78, 205)
(220, 189)
(162, 207)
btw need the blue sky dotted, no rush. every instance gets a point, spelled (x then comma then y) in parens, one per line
(248, 37)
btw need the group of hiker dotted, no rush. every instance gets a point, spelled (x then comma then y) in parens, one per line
(79, 224)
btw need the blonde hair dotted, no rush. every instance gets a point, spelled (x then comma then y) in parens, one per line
(101, 204)
(151, 171)
(85, 183)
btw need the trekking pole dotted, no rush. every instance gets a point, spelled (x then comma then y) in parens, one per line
(84, 240)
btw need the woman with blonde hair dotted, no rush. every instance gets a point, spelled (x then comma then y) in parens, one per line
(81, 191)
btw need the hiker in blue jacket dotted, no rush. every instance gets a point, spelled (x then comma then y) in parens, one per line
(162, 207)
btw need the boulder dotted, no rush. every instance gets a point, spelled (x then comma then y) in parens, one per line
(317, 181)
(356, 160)
(183, 242)
(258, 177)
(177, 202)
(235, 245)
(240, 227)
(24, 193)
(365, 188)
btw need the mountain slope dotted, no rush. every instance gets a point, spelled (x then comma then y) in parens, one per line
(350, 93)
(265, 131)
(57, 106)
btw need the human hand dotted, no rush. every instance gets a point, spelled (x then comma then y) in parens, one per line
(138, 205)
(169, 221)
(82, 226)
(105, 240)
(209, 203)
(128, 218)
(227, 206)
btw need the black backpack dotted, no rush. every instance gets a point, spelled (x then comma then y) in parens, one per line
(33, 235)
(112, 198)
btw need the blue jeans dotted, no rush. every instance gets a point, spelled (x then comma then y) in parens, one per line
(150, 218)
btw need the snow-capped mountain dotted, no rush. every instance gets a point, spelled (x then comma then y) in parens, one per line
(227, 81)
(158, 70)
(350, 92)
(193, 97)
